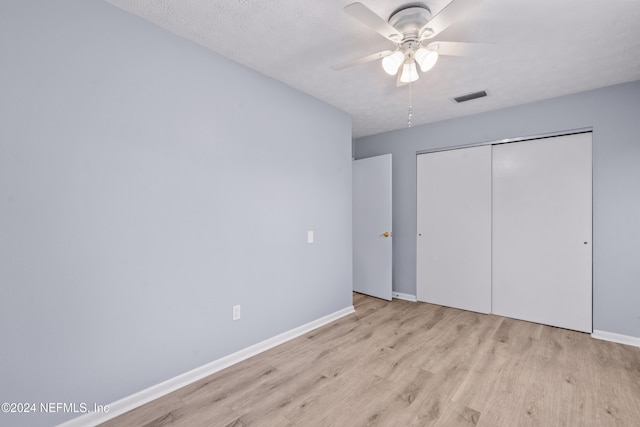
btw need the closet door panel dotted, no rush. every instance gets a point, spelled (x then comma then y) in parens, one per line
(454, 228)
(542, 227)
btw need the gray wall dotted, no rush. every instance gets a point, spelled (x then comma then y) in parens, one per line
(146, 186)
(614, 115)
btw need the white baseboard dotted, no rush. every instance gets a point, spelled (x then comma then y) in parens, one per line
(135, 400)
(613, 337)
(407, 297)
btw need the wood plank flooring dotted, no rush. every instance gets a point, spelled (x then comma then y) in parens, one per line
(401, 363)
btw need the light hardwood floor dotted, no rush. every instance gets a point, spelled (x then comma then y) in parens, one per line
(401, 363)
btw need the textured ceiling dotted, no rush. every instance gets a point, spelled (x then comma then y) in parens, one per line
(538, 49)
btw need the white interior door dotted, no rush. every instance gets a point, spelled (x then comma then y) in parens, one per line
(454, 228)
(542, 231)
(372, 249)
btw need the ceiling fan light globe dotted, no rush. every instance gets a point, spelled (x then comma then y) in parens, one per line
(409, 73)
(391, 64)
(426, 59)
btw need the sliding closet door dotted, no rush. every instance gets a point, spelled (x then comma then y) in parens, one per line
(542, 231)
(454, 228)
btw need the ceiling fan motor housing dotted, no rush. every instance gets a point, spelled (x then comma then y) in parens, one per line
(411, 22)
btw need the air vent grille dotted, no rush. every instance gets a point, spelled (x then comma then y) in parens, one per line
(469, 97)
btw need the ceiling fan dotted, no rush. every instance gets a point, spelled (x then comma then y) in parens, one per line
(409, 28)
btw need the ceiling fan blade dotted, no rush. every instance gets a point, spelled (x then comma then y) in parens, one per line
(368, 58)
(459, 48)
(369, 18)
(453, 12)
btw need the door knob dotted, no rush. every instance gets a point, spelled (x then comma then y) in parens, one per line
(385, 234)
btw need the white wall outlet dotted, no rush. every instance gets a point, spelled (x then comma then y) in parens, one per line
(310, 236)
(236, 312)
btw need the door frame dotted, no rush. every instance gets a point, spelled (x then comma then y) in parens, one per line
(508, 140)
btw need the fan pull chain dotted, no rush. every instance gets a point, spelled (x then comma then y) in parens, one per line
(410, 111)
